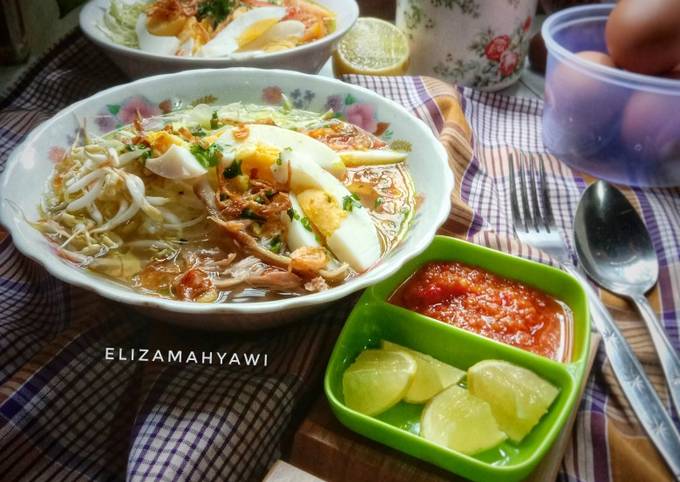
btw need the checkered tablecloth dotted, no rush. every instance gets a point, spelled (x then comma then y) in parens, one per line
(68, 414)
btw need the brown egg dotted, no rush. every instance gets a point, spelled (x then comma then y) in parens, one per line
(650, 127)
(597, 57)
(583, 87)
(674, 74)
(644, 35)
(580, 107)
(538, 55)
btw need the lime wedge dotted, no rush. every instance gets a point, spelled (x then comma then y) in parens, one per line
(372, 47)
(377, 380)
(460, 421)
(432, 376)
(517, 396)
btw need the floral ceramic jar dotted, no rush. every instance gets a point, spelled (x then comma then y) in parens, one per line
(477, 43)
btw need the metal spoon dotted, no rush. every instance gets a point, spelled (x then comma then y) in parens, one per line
(615, 250)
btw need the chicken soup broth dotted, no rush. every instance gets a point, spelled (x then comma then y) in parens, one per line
(229, 204)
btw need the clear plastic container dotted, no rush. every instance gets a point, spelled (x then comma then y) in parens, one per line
(610, 123)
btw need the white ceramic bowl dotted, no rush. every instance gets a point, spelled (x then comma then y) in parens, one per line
(307, 58)
(30, 165)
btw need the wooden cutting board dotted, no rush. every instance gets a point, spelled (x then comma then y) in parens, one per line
(325, 448)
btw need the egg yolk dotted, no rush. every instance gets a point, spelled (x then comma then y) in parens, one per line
(257, 160)
(254, 31)
(322, 209)
(161, 141)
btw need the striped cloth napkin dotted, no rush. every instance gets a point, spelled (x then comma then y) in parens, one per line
(67, 413)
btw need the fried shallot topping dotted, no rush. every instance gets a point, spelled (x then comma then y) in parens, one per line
(163, 10)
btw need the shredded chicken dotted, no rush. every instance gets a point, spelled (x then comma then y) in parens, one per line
(192, 284)
(206, 194)
(158, 275)
(316, 284)
(237, 231)
(108, 212)
(307, 262)
(262, 200)
(276, 279)
(255, 273)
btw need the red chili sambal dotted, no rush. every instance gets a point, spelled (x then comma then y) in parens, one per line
(498, 308)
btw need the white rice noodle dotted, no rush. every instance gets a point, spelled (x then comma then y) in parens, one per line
(113, 155)
(250, 266)
(240, 271)
(74, 257)
(86, 180)
(97, 158)
(148, 244)
(95, 213)
(157, 200)
(186, 224)
(95, 250)
(126, 157)
(76, 231)
(68, 219)
(175, 223)
(125, 212)
(170, 216)
(51, 226)
(110, 243)
(89, 165)
(136, 188)
(88, 198)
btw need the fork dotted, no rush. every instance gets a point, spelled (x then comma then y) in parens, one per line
(534, 224)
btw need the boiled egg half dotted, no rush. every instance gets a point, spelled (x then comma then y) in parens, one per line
(243, 30)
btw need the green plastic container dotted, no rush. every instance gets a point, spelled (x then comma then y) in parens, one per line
(374, 319)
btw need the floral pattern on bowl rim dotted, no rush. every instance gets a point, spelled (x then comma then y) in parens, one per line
(345, 107)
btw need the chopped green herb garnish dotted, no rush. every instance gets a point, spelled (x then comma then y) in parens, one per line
(214, 120)
(350, 202)
(279, 160)
(135, 147)
(215, 10)
(402, 146)
(260, 200)
(198, 131)
(233, 170)
(276, 245)
(292, 214)
(247, 213)
(306, 223)
(379, 202)
(269, 193)
(286, 104)
(208, 157)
